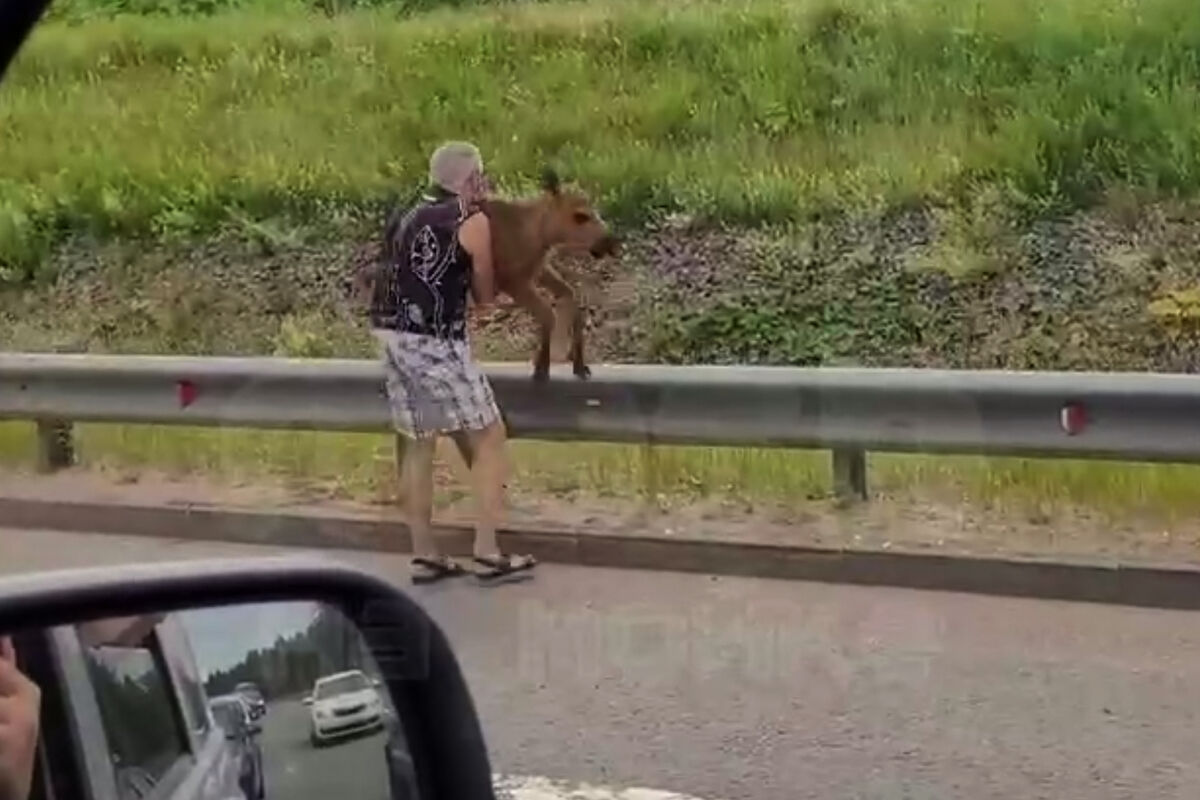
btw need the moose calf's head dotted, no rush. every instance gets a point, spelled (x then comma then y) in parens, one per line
(575, 224)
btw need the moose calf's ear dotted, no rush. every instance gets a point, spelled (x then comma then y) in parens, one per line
(550, 180)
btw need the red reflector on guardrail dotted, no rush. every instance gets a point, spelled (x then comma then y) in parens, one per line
(1073, 418)
(187, 393)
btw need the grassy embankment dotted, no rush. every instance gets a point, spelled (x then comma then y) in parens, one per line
(291, 127)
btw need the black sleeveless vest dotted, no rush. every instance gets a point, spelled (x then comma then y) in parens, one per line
(423, 281)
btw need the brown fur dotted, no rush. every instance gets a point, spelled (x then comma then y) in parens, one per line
(523, 234)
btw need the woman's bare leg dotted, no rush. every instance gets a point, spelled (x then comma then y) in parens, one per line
(489, 471)
(416, 485)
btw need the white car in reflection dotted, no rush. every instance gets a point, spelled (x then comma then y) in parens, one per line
(344, 704)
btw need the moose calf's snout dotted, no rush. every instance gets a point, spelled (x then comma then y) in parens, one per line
(607, 246)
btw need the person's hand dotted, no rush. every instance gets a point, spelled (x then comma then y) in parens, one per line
(482, 314)
(20, 701)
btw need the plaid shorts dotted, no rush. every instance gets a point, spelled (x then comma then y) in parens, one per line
(433, 385)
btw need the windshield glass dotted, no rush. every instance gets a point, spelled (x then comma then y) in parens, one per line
(799, 393)
(229, 716)
(338, 686)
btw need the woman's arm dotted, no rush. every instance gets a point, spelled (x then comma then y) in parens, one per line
(475, 235)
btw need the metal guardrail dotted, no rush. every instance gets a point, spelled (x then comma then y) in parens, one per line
(1128, 416)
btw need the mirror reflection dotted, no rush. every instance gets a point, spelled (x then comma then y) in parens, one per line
(268, 700)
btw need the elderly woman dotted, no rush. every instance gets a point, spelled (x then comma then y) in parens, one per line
(434, 254)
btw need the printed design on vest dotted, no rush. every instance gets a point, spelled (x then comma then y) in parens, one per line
(412, 312)
(423, 255)
(429, 263)
(424, 285)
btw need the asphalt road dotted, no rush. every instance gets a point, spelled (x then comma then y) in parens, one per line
(741, 688)
(295, 770)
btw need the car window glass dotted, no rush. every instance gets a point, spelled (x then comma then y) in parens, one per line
(229, 716)
(140, 721)
(249, 690)
(178, 653)
(344, 685)
(193, 696)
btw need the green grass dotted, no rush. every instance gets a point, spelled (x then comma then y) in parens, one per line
(140, 123)
(80, 11)
(747, 111)
(360, 466)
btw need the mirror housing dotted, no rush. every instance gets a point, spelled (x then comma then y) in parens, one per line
(308, 701)
(434, 709)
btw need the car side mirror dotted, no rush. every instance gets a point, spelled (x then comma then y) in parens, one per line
(434, 746)
(308, 701)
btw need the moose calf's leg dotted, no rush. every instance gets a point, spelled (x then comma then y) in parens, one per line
(566, 296)
(529, 299)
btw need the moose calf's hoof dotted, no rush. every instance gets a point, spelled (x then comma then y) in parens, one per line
(583, 372)
(541, 375)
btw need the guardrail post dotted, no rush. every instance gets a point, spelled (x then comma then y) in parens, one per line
(849, 474)
(55, 447)
(55, 440)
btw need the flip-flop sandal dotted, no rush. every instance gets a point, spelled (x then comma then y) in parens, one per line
(435, 569)
(500, 566)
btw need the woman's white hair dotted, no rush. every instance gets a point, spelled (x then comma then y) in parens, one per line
(453, 164)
